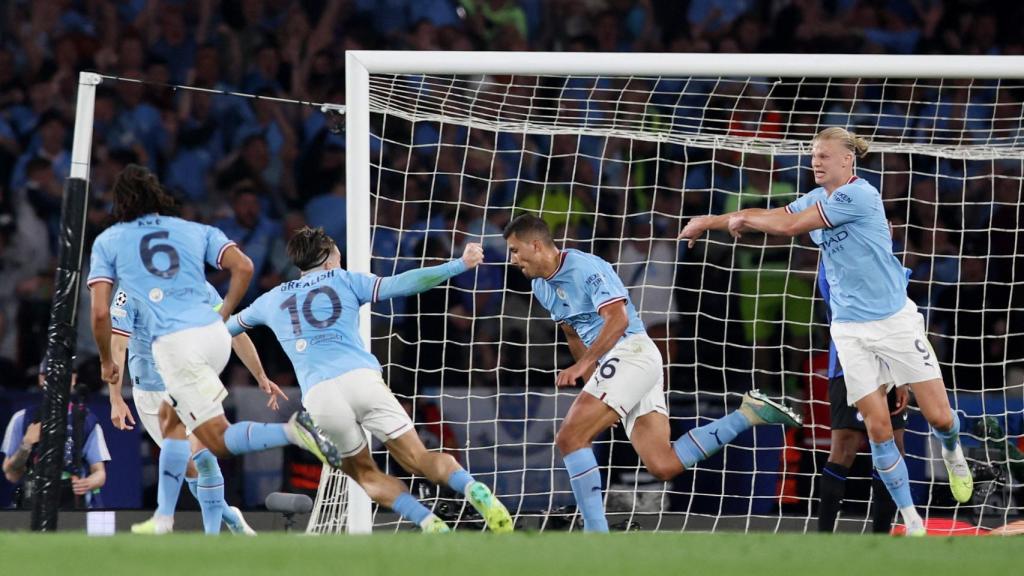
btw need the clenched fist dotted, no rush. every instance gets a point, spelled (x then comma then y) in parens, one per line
(473, 255)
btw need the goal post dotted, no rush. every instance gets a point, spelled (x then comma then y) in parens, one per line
(716, 122)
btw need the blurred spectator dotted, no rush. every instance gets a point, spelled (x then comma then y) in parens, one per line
(254, 233)
(85, 454)
(436, 178)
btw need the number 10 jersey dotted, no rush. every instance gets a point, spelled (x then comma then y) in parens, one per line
(159, 261)
(316, 320)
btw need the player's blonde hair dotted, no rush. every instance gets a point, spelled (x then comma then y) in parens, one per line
(850, 141)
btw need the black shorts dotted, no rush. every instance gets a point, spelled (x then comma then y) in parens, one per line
(846, 417)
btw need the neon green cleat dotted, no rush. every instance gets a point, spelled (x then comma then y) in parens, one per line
(434, 525)
(156, 526)
(759, 409)
(302, 428)
(494, 512)
(961, 483)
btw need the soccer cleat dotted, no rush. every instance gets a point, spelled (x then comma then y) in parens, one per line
(155, 526)
(494, 512)
(915, 529)
(434, 525)
(961, 483)
(240, 527)
(313, 439)
(759, 409)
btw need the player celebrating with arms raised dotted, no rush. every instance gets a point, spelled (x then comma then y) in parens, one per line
(159, 261)
(875, 326)
(626, 381)
(316, 319)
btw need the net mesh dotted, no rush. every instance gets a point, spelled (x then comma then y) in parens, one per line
(616, 165)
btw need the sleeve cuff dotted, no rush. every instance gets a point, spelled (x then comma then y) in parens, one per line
(223, 249)
(100, 279)
(611, 301)
(457, 266)
(824, 218)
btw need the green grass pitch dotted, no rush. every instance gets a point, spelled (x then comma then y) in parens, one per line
(524, 554)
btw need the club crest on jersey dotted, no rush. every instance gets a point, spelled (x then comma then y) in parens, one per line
(560, 292)
(301, 345)
(120, 299)
(156, 295)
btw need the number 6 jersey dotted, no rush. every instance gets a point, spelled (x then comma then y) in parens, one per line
(159, 261)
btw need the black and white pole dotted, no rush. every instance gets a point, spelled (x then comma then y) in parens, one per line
(60, 346)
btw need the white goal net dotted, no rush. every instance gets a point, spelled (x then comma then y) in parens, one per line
(616, 164)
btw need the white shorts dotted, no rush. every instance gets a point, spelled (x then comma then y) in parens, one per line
(358, 399)
(890, 352)
(630, 380)
(190, 362)
(147, 404)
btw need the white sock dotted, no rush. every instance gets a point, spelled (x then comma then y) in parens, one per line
(910, 516)
(163, 522)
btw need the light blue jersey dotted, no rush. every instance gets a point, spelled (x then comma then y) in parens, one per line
(131, 319)
(159, 262)
(867, 281)
(579, 288)
(316, 318)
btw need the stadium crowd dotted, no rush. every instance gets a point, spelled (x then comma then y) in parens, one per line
(259, 169)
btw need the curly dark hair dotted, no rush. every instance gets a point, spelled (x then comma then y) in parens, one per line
(137, 192)
(309, 247)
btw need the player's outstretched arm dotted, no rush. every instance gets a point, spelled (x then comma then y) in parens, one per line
(423, 279)
(246, 350)
(120, 413)
(777, 222)
(696, 227)
(615, 323)
(101, 330)
(240, 266)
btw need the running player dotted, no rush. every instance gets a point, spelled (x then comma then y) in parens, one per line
(874, 324)
(130, 333)
(848, 433)
(159, 260)
(316, 319)
(623, 368)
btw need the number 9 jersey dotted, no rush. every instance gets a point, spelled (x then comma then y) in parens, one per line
(160, 260)
(316, 320)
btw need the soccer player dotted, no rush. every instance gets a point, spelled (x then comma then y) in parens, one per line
(622, 366)
(874, 323)
(848, 433)
(131, 334)
(159, 260)
(316, 319)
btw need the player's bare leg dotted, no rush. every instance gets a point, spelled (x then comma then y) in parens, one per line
(934, 405)
(651, 438)
(389, 491)
(441, 468)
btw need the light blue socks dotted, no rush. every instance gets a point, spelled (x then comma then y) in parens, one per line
(585, 478)
(173, 460)
(703, 441)
(244, 437)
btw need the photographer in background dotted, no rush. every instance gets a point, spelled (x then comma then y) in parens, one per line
(85, 452)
